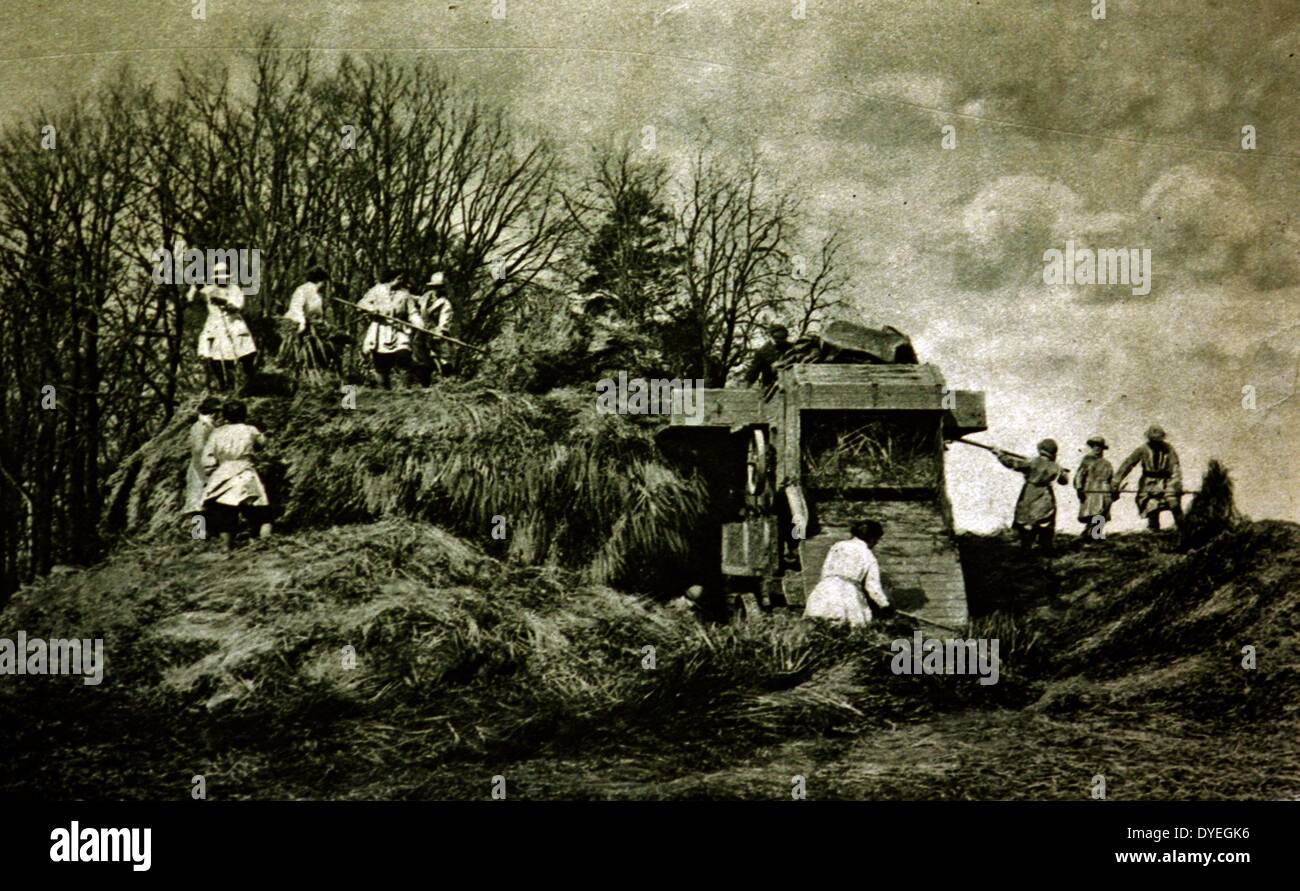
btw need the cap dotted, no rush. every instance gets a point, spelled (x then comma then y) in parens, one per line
(1155, 432)
(1048, 446)
(1097, 441)
(436, 279)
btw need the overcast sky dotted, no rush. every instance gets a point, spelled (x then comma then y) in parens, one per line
(1117, 133)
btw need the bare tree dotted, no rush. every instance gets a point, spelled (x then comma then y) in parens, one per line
(437, 179)
(733, 232)
(68, 185)
(816, 289)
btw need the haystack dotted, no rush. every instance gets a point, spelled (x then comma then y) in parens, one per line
(536, 478)
(377, 652)
(1213, 510)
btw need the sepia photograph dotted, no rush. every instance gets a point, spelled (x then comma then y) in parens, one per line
(861, 401)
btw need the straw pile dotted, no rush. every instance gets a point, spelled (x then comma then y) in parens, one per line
(466, 666)
(540, 479)
(842, 452)
(1213, 510)
(241, 662)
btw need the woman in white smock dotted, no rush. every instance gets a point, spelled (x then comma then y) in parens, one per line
(235, 489)
(850, 578)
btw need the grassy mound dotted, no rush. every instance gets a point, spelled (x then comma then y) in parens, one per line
(393, 659)
(536, 478)
(1133, 625)
(239, 668)
(1175, 637)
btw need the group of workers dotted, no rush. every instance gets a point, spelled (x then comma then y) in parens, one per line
(1097, 484)
(850, 576)
(403, 332)
(223, 487)
(393, 345)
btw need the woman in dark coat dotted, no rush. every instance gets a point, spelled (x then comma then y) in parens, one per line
(1035, 519)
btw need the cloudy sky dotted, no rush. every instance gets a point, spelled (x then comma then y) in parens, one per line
(1122, 132)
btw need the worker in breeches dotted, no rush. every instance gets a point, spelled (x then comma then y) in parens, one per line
(1160, 487)
(435, 308)
(1094, 484)
(1035, 517)
(225, 340)
(388, 342)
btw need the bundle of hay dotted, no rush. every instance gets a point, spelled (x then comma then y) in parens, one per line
(1213, 510)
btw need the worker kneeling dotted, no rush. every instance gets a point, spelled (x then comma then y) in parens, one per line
(850, 576)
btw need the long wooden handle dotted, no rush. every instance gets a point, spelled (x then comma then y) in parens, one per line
(917, 618)
(988, 448)
(1132, 491)
(410, 325)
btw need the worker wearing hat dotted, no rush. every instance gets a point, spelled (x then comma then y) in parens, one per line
(1093, 483)
(1035, 516)
(387, 340)
(435, 309)
(225, 339)
(762, 367)
(1160, 487)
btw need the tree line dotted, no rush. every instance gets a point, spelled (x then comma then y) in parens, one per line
(370, 163)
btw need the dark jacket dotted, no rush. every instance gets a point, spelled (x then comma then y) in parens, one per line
(1036, 505)
(761, 367)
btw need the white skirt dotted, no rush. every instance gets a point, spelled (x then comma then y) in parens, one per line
(195, 484)
(839, 599)
(225, 338)
(236, 483)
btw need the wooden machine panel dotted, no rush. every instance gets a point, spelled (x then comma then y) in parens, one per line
(720, 408)
(749, 547)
